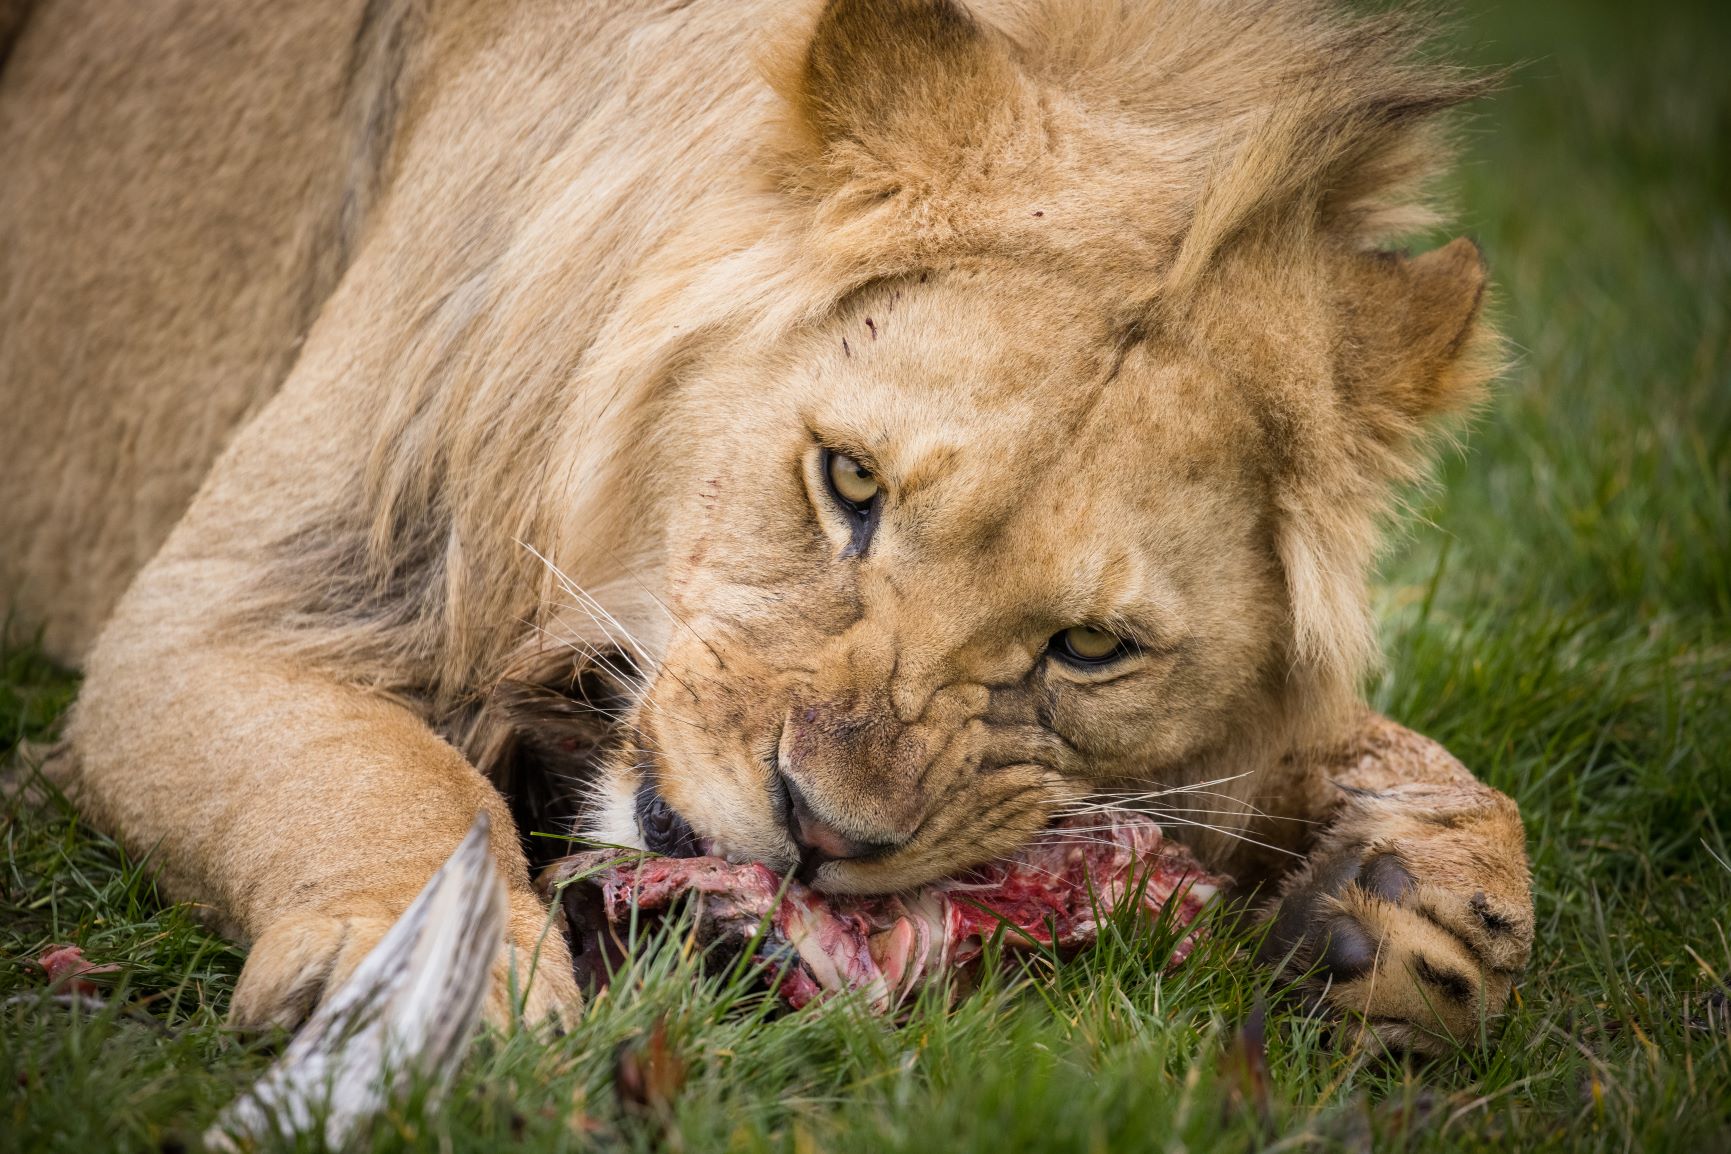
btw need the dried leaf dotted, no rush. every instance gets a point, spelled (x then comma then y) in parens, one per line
(648, 1074)
(1244, 1069)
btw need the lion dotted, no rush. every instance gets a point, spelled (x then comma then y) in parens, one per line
(900, 421)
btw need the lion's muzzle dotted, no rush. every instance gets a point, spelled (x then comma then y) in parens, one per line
(854, 778)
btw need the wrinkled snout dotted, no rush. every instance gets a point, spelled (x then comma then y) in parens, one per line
(853, 778)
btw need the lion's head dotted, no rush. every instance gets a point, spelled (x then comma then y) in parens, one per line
(1074, 485)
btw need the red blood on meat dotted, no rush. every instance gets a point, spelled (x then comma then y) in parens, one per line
(884, 947)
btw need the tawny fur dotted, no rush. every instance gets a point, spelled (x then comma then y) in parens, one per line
(497, 338)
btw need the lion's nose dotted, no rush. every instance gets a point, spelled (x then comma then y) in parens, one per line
(820, 841)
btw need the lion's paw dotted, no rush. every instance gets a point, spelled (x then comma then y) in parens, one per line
(300, 960)
(295, 963)
(1412, 921)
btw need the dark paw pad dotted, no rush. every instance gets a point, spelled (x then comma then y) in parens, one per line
(1384, 876)
(1348, 950)
(1310, 932)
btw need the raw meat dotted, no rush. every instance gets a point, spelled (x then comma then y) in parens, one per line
(67, 967)
(886, 947)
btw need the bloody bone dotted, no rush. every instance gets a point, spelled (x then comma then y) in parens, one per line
(886, 947)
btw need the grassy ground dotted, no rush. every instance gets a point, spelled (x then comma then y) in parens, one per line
(1561, 619)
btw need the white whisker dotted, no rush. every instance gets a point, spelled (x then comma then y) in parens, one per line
(638, 700)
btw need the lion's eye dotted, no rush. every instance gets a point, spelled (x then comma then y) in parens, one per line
(851, 482)
(1085, 645)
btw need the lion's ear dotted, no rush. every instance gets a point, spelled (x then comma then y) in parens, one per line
(1414, 324)
(891, 76)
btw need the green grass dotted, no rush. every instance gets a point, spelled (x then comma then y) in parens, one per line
(1561, 618)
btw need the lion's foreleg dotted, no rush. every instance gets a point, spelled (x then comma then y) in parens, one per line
(1413, 909)
(304, 813)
